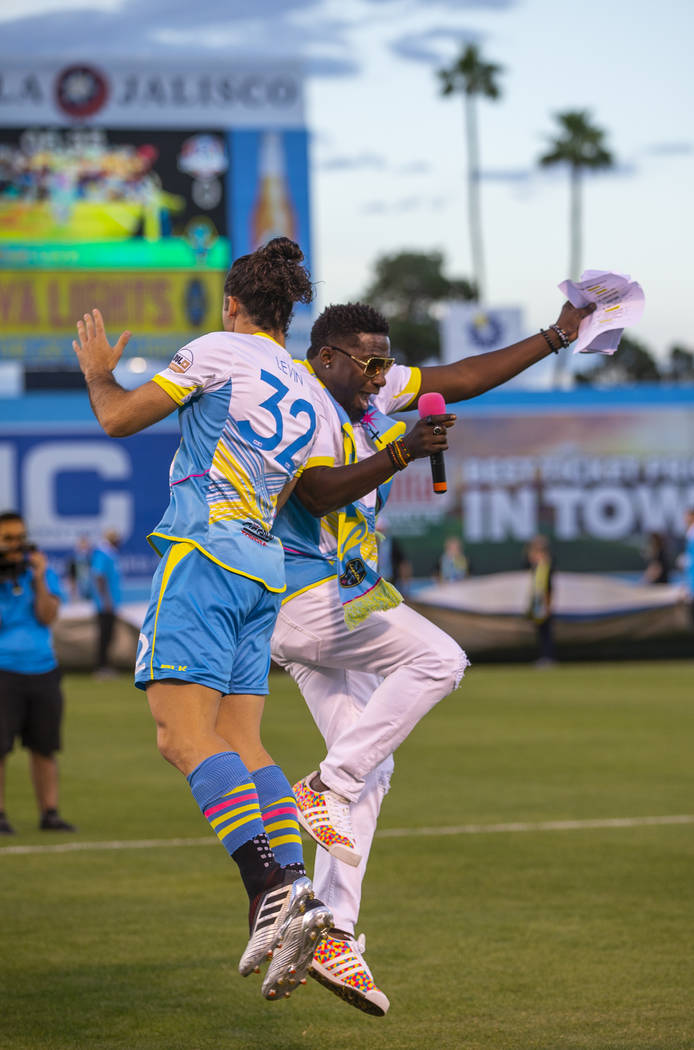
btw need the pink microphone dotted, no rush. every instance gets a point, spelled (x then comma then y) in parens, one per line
(434, 405)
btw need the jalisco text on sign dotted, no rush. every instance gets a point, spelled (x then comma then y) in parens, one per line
(131, 94)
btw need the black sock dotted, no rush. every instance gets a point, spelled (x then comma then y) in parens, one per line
(257, 865)
(295, 866)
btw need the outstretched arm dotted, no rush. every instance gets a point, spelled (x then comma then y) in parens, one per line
(120, 412)
(474, 375)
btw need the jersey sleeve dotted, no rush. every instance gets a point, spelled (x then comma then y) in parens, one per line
(191, 371)
(326, 448)
(401, 388)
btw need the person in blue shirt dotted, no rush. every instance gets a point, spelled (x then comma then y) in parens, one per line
(105, 585)
(31, 700)
(689, 559)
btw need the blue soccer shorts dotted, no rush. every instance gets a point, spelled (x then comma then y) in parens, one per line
(206, 624)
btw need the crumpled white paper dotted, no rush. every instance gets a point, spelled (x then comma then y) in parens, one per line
(619, 303)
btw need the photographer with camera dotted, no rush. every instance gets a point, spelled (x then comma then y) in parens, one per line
(31, 700)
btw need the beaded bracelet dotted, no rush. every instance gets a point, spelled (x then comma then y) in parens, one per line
(399, 454)
(563, 337)
(545, 336)
(391, 453)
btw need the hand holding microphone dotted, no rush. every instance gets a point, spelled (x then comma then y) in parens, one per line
(434, 405)
(426, 438)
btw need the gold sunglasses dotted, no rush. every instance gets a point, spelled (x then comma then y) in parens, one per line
(372, 367)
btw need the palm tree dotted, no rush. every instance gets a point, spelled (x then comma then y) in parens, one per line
(471, 76)
(580, 145)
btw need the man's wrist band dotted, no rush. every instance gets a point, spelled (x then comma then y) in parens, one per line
(399, 454)
(563, 337)
(545, 336)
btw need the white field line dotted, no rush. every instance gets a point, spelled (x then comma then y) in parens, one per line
(387, 833)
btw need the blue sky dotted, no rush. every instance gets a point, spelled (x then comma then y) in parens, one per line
(387, 152)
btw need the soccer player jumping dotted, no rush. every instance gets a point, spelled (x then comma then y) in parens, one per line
(248, 420)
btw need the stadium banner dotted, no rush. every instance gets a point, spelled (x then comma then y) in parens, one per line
(468, 328)
(163, 309)
(70, 481)
(595, 471)
(151, 94)
(145, 168)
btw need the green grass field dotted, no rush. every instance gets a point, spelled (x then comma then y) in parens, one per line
(504, 940)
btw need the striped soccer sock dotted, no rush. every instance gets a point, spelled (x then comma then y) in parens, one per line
(279, 813)
(224, 790)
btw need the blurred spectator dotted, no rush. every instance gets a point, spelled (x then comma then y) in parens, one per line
(453, 565)
(78, 570)
(392, 562)
(106, 594)
(541, 563)
(689, 559)
(31, 700)
(657, 559)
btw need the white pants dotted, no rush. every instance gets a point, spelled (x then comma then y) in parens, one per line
(366, 690)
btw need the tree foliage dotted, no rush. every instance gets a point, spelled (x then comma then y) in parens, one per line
(407, 287)
(578, 143)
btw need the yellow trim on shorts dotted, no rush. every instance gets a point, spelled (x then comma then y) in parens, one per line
(175, 554)
(295, 594)
(175, 540)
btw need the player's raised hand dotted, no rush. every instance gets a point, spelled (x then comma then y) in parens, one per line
(94, 352)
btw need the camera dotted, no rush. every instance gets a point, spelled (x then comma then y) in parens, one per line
(11, 568)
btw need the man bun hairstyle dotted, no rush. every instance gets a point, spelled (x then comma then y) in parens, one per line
(269, 281)
(346, 322)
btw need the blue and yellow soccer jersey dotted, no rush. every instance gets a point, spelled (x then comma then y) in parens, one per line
(310, 543)
(248, 418)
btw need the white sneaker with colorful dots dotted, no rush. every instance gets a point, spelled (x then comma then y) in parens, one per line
(338, 964)
(326, 817)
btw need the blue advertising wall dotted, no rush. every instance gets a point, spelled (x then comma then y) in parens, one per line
(68, 479)
(596, 470)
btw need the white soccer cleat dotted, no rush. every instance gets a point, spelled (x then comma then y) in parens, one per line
(338, 964)
(271, 914)
(292, 957)
(325, 815)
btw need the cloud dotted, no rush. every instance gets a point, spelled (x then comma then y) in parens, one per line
(404, 205)
(359, 162)
(507, 175)
(373, 162)
(432, 47)
(300, 30)
(457, 5)
(620, 170)
(670, 149)
(415, 167)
